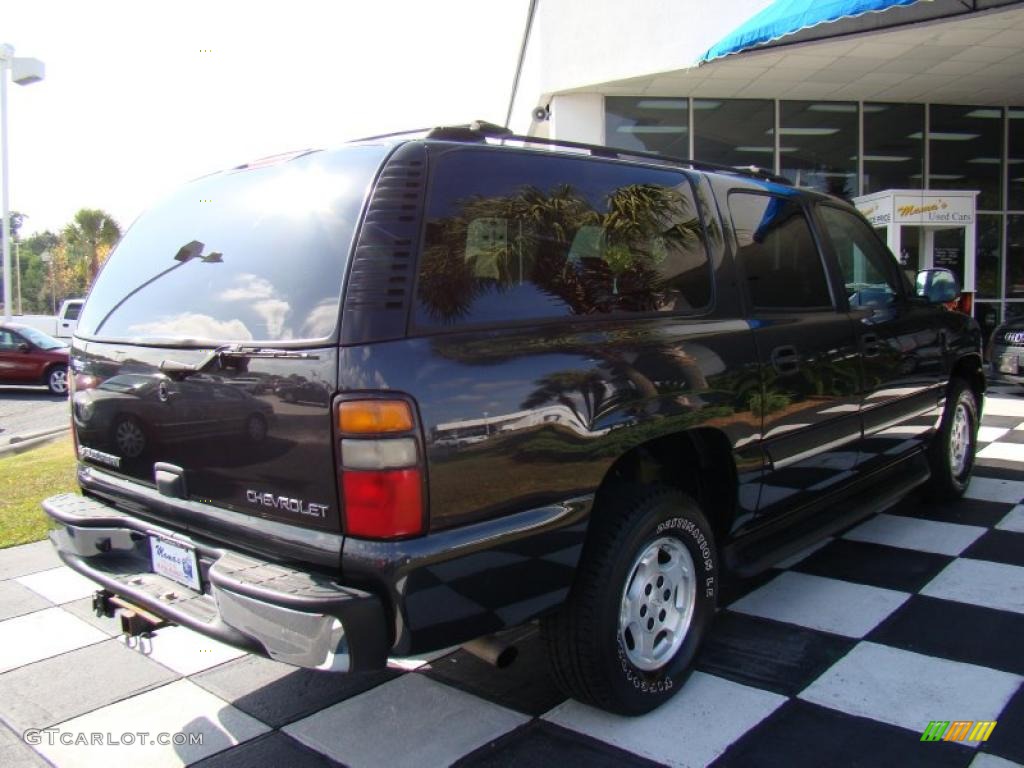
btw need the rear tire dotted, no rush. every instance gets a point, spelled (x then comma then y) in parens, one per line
(57, 380)
(951, 454)
(643, 599)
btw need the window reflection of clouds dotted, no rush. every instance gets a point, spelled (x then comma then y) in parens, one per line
(193, 325)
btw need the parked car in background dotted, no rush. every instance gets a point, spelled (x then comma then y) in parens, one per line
(1006, 352)
(61, 326)
(566, 384)
(29, 356)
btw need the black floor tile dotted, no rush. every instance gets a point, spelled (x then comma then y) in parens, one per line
(525, 686)
(541, 743)
(877, 565)
(1013, 436)
(963, 511)
(1006, 422)
(275, 748)
(1007, 740)
(782, 658)
(803, 734)
(998, 469)
(998, 546)
(278, 694)
(956, 631)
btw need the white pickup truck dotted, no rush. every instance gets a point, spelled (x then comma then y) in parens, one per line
(60, 327)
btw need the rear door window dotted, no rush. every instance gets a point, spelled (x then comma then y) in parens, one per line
(252, 254)
(514, 236)
(777, 253)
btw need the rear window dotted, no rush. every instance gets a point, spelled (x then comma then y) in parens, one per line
(247, 255)
(521, 236)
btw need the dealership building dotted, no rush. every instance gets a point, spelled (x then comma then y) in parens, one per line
(913, 109)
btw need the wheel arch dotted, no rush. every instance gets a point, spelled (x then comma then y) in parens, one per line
(971, 369)
(697, 461)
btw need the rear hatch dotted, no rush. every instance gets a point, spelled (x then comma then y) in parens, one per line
(205, 358)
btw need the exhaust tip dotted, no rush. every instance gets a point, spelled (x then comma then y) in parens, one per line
(493, 650)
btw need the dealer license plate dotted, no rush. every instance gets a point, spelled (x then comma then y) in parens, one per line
(175, 561)
(1008, 364)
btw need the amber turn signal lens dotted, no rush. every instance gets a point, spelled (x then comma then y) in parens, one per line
(374, 417)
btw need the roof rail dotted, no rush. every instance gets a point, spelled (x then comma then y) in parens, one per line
(481, 131)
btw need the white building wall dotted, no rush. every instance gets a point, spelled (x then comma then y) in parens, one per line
(580, 43)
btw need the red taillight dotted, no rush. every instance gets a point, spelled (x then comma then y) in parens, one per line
(383, 504)
(380, 468)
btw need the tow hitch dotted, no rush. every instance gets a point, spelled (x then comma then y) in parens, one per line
(135, 621)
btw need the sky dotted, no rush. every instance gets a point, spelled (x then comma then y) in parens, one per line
(140, 97)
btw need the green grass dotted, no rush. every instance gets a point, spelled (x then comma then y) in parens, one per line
(25, 480)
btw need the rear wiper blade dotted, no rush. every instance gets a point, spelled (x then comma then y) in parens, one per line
(222, 356)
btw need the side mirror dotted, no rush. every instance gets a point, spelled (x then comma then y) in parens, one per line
(25, 346)
(937, 286)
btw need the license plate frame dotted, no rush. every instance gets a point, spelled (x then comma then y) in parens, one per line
(175, 560)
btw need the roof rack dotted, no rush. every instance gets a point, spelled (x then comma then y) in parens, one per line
(481, 131)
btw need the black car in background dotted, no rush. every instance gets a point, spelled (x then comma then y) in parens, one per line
(568, 385)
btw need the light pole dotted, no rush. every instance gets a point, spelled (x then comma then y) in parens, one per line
(23, 72)
(47, 258)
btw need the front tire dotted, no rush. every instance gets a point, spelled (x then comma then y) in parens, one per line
(643, 599)
(951, 454)
(57, 380)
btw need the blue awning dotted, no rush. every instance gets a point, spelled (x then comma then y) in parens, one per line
(787, 17)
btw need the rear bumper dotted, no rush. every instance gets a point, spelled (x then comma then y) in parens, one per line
(293, 616)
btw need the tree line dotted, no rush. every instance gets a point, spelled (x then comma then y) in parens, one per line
(53, 266)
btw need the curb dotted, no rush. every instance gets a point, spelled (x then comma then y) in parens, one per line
(22, 443)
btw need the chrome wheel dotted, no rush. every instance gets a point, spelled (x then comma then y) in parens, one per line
(58, 381)
(130, 438)
(657, 603)
(959, 440)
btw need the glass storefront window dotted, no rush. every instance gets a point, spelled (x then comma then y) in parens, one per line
(965, 150)
(737, 132)
(648, 125)
(1015, 162)
(988, 267)
(1015, 257)
(893, 146)
(818, 145)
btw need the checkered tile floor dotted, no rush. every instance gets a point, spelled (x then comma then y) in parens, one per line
(841, 657)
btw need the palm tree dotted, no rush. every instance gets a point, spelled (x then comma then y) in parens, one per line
(92, 233)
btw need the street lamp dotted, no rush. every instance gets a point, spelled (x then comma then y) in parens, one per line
(23, 72)
(47, 258)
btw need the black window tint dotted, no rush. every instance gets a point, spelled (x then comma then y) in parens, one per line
(868, 269)
(777, 253)
(256, 254)
(73, 311)
(514, 236)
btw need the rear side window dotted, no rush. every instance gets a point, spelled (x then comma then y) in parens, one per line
(519, 236)
(73, 311)
(246, 255)
(777, 253)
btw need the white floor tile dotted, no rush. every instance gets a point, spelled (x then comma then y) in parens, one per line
(411, 721)
(830, 605)
(990, 434)
(1014, 520)
(991, 489)
(184, 651)
(909, 689)
(1004, 451)
(59, 585)
(1004, 406)
(40, 635)
(913, 533)
(980, 582)
(179, 707)
(692, 729)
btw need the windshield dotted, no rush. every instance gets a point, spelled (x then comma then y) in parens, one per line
(40, 339)
(247, 255)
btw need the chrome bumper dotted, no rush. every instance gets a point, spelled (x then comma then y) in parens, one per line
(302, 618)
